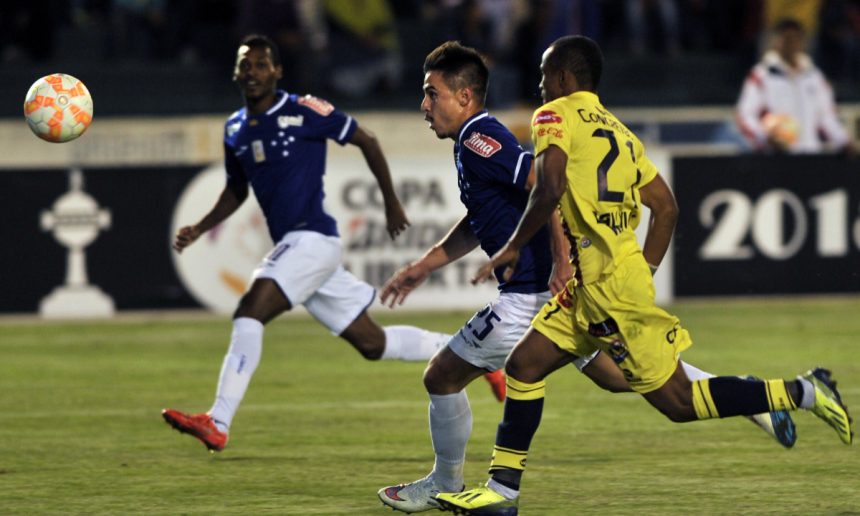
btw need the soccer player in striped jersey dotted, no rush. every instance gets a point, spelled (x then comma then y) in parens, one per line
(594, 168)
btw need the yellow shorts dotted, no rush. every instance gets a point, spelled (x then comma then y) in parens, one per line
(618, 316)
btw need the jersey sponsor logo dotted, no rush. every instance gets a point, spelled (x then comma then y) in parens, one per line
(319, 105)
(259, 151)
(546, 117)
(482, 145)
(552, 131)
(285, 121)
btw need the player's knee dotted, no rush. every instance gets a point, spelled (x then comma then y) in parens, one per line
(368, 349)
(438, 381)
(434, 380)
(522, 372)
(366, 337)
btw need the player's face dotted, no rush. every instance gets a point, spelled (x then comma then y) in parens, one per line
(441, 106)
(549, 83)
(256, 73)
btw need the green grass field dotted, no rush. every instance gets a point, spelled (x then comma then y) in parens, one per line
(321, 429)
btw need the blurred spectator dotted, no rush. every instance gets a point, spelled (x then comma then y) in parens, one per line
(546, 21)
(838, 48)
(805, 12)
(364, 52)
(786, 103)
(138, 29)
(28, 29)
(653, 24)
(281, 21)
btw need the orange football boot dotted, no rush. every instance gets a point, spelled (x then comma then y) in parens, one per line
(497, 383)
(200, 426)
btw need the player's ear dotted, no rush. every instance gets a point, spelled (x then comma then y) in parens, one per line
(567, 81)
(279, 71)
(464, 96)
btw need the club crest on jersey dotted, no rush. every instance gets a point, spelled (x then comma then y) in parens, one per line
(259, 151)
(319, 105)
(285, 121)
(546, 117)
(482, 145)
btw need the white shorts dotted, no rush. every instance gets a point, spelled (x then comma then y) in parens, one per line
(306, 265)
(490, 335)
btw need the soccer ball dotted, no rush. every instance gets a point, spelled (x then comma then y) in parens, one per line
(780, 128)
(58, 108)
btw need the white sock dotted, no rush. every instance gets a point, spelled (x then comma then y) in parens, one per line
(412, 344)
(246, 346)
(503, 490)
(807, 399)
(694, 373)
(450, 426)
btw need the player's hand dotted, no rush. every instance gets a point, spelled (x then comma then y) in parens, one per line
(396, 219)
(506, 256)
(185, 237)
(402, 283)
(561, 274)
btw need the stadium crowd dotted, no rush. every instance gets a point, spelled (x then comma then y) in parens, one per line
(350, 48)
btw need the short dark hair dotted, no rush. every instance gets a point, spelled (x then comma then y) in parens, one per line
(261, 41)
(580, 56)
(461, 67)
(785, 24)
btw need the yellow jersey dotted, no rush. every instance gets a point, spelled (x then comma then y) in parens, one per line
(606, 166)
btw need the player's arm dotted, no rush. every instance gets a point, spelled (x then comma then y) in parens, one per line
(233, 195)
(369, 145)
(562, 270)
(749, 109)
(828, 118)
(658, 197)
(459, 241)
(550, 167)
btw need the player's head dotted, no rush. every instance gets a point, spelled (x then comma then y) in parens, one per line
(789, 39)
(258, 68)
(455, 87)
(571, 63)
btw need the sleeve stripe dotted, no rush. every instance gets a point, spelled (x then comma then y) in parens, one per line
(519, 164)
(343, 131)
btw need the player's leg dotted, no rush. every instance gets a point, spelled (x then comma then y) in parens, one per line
(445, 379)
(777, 424)
(482, 344)
(601, 370)
(263, 301)
(725, 396)
(399, 342)
(288, 275)
(535, 357)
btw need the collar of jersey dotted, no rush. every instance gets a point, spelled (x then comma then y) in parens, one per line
(278, 104)
(477, 116)
(584, 93)
(772, 58)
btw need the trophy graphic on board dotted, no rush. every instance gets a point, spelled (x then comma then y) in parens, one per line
(75, 219)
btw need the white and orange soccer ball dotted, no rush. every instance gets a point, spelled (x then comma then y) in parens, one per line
(58, 108)
(780, 128)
